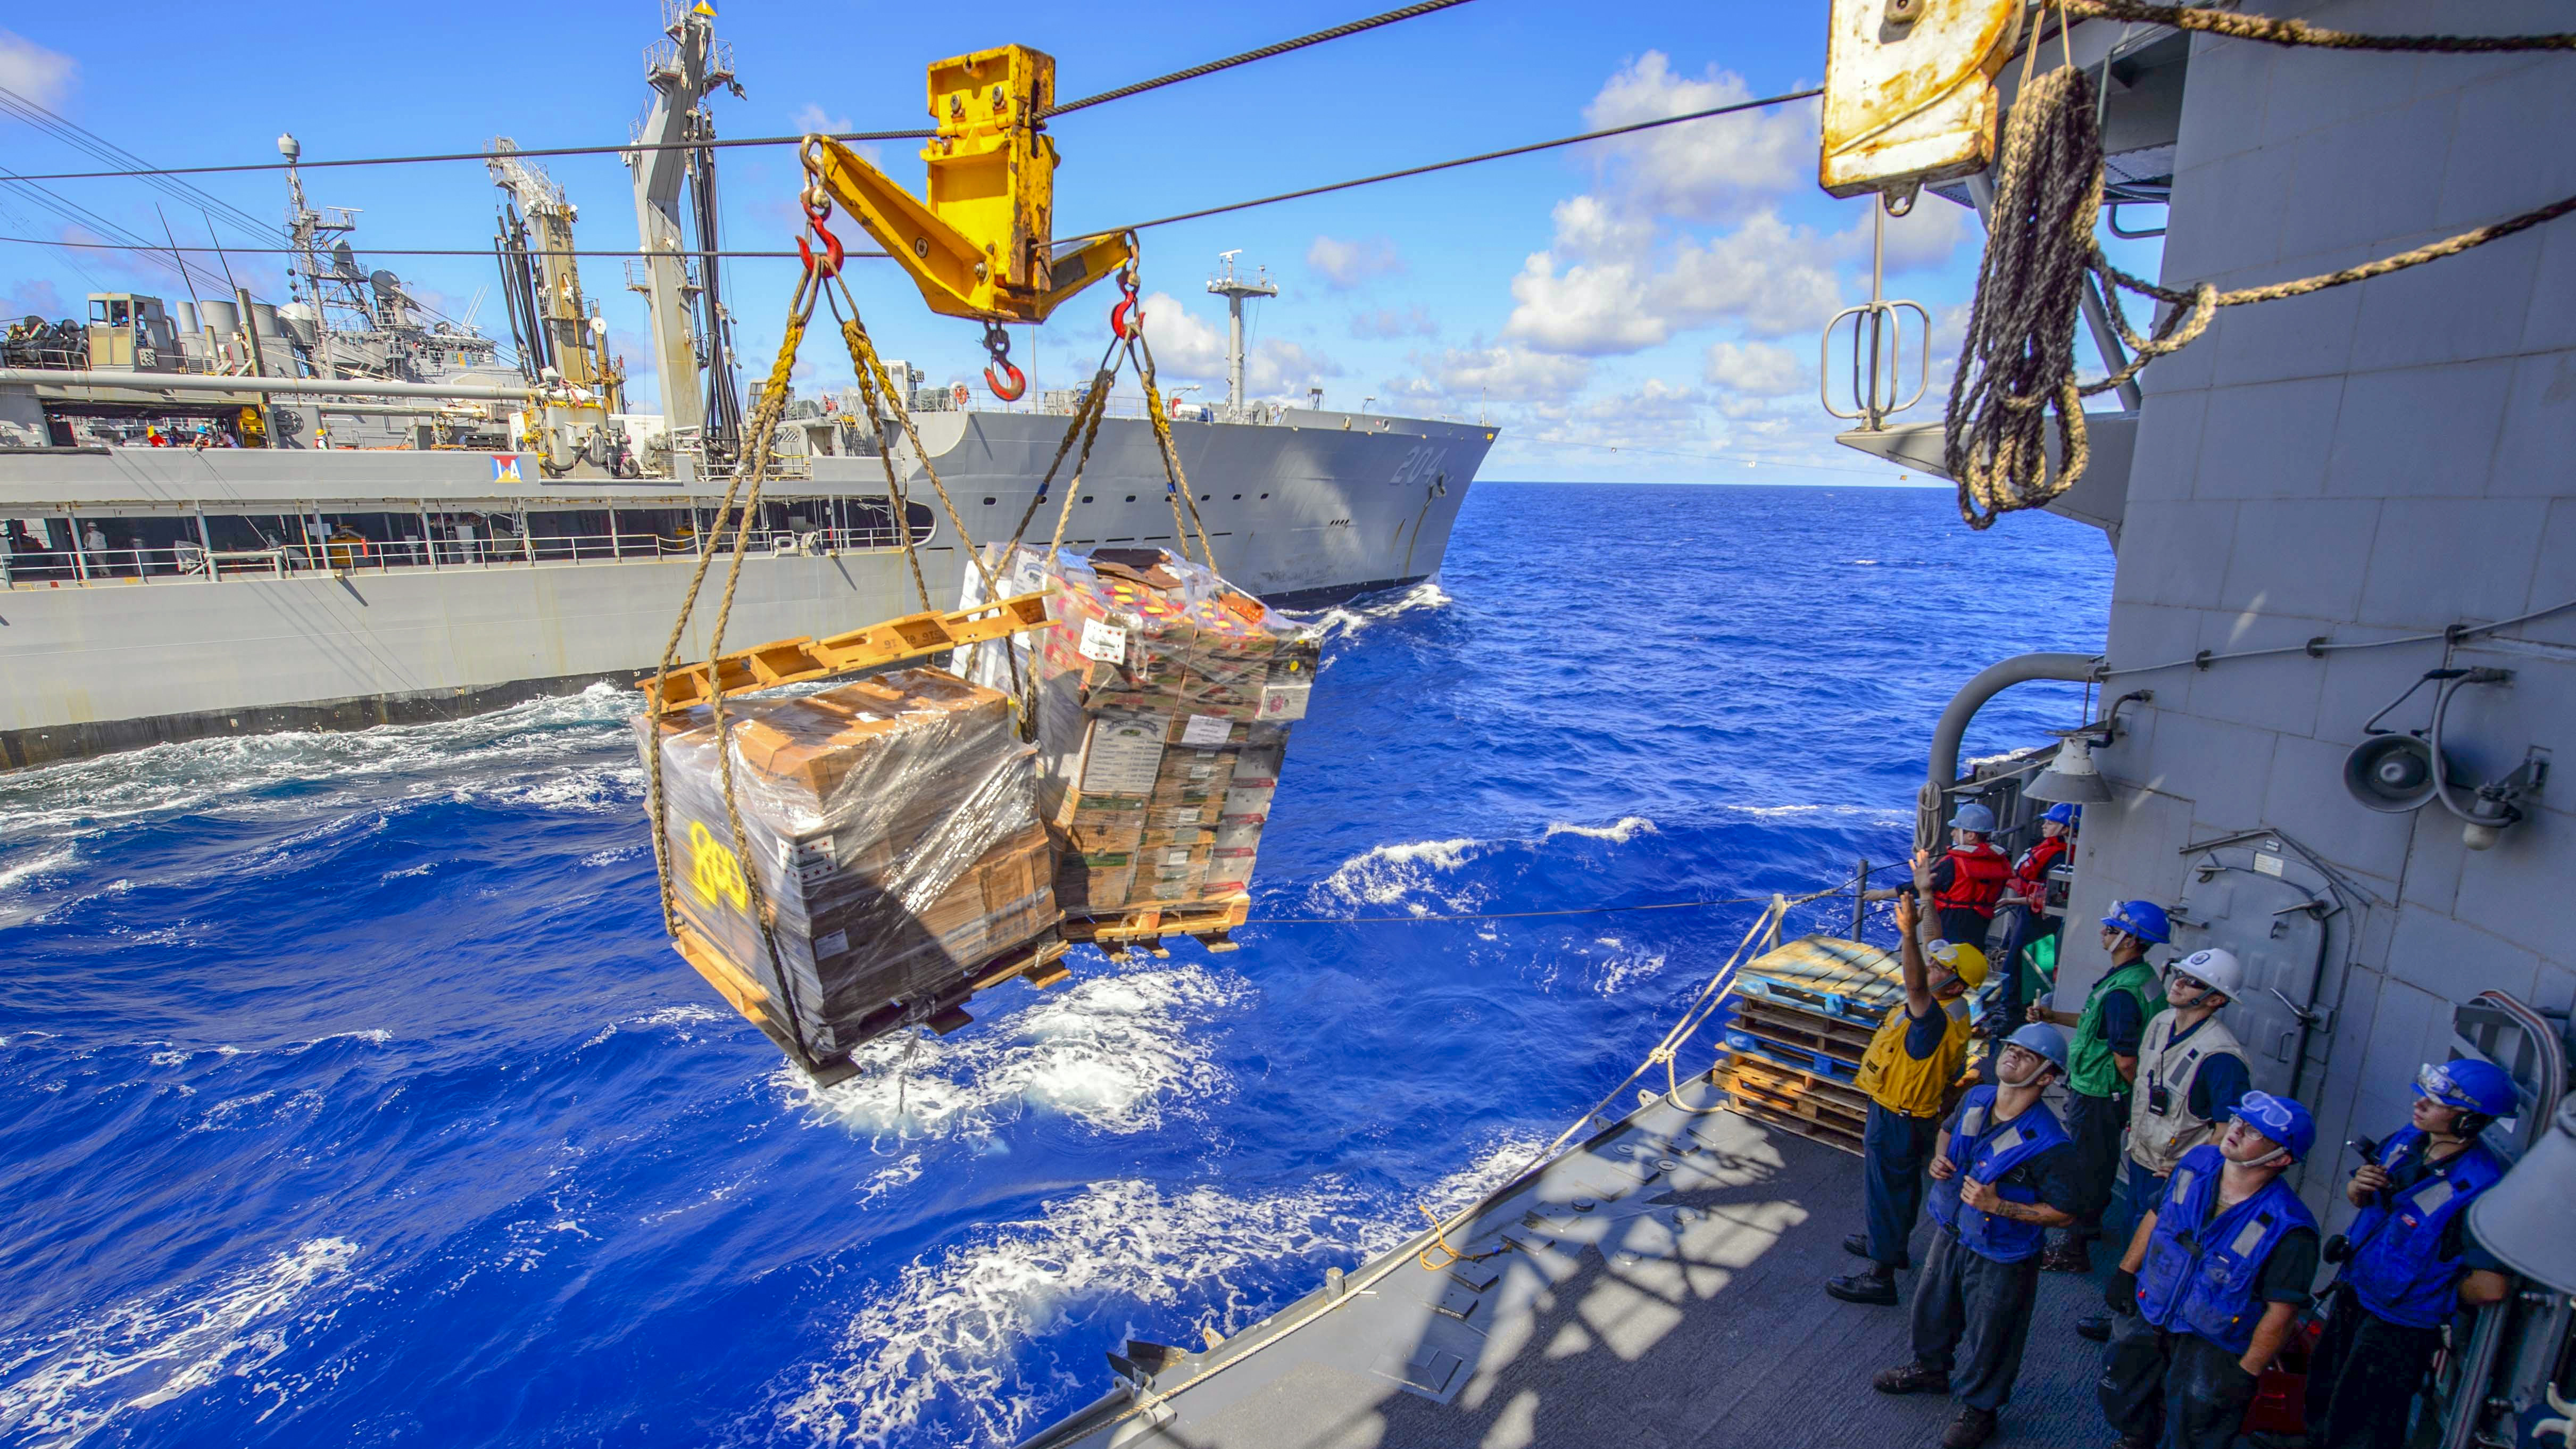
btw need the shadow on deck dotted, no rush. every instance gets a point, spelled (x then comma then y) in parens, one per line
(1683, 1306)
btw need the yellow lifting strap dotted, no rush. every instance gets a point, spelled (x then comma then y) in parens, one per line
(980, 245)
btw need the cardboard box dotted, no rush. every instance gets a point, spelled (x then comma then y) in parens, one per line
(1152, 682)
(892, 832)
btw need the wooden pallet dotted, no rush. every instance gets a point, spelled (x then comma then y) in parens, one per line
(1867, 1006)
(1039, 962)
(1835, 1137)
(798, 660)
(1838, 1097)
(1799, 1038)
(1145, 927)
(1829, 1032)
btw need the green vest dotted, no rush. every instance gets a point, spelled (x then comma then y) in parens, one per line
(2089, 1067)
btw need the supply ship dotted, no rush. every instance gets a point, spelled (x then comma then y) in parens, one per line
(2341, 654)
(417, 528)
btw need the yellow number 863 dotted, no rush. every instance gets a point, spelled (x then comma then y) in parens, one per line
(714, 870)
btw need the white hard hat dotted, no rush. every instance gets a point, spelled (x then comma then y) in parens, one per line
(2216, 967)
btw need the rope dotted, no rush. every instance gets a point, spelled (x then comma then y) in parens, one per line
(1176, 483)
(2017, 360)
(712, 143)
(2273, 31)
(766, 412)
(1249, 56)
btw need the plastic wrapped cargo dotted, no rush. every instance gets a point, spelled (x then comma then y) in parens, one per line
(1164, 697)
(894, 827)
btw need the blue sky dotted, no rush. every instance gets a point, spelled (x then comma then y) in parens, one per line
(1642, 309)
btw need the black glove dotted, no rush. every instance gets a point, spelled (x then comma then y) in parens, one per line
(2120, 1291)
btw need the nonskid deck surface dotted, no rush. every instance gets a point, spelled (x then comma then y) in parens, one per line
(1716, 1334)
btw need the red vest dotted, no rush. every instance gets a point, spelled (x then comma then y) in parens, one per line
(1977, 877)
(2030, 873)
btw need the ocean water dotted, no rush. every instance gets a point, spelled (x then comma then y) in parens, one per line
(349, 1092)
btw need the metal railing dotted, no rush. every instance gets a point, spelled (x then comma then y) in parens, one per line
(191, 563)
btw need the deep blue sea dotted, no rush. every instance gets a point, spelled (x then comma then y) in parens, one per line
(349, 1093)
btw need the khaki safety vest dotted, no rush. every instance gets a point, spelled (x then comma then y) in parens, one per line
(1895, 1080)
(2157, 1140)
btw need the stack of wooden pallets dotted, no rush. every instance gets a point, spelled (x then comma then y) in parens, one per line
(1798, 1020)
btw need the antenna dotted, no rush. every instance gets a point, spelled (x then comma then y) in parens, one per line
(1234, 289)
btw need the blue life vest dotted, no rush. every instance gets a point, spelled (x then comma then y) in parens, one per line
(2203, 1274)
(2397, 1270)
(1990, 1153)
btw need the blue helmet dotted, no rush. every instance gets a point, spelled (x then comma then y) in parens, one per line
(2044, 1040)
(2470, 1085)
(2063, 814)
(1976, 817)
(2281, 1119)
(2142, 919)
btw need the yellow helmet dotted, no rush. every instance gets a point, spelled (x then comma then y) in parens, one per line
(1965, 962)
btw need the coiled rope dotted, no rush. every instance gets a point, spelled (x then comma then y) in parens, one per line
(2017, 359)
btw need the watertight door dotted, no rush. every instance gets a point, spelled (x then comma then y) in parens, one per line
(2271, 908)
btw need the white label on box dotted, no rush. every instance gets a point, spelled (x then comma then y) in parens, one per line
(1281, 702)
(1176, 857)
(1205, 729)
(831, 945)
(1124, 756)
(1104, 642)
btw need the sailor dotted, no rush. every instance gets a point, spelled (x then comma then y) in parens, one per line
(1909, 1071)
(2410, 1264)
(2004, 1176)
(2102, 1061)
(2191, 1072)
(2215, 1274)
(1961, 888)
(2027, 901)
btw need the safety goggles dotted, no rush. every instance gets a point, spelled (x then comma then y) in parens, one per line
(2188, 983)
(2434, 1081)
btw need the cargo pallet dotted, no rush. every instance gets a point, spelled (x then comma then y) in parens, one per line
(1801, 1016)
(804, 658)
(1038, 962)
(1143, 928)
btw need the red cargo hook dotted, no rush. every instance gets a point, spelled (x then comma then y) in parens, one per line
(814, 218)
(1019, 385)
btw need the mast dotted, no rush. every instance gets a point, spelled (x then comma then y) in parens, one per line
(303, 225)
(1234, 289)
(690, 326)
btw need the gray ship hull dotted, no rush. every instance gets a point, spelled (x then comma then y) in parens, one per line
(1302, 512)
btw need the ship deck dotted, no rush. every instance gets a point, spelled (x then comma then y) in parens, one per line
(1628, 1321)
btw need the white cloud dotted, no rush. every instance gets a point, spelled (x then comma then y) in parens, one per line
(812, 117)
(1756, 369)
(1712, 169)
(1507, 373)
(1588, 310)
(1760, 274)
(1193, 350)
(1589, 227)
(35, 72)
(1386, 322)
(1346, 264)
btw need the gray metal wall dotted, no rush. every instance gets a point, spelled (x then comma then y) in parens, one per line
(2374, 461)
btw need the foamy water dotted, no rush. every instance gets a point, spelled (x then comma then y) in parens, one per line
(349, 1090)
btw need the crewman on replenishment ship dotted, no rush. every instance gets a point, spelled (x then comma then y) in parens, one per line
(1909, 1071)
(2005, 1175)
(2215, 1274)
(1961, 888)
(2035, 907)
(2191, 1073)
(2410, 1263)
(2102, 1061)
